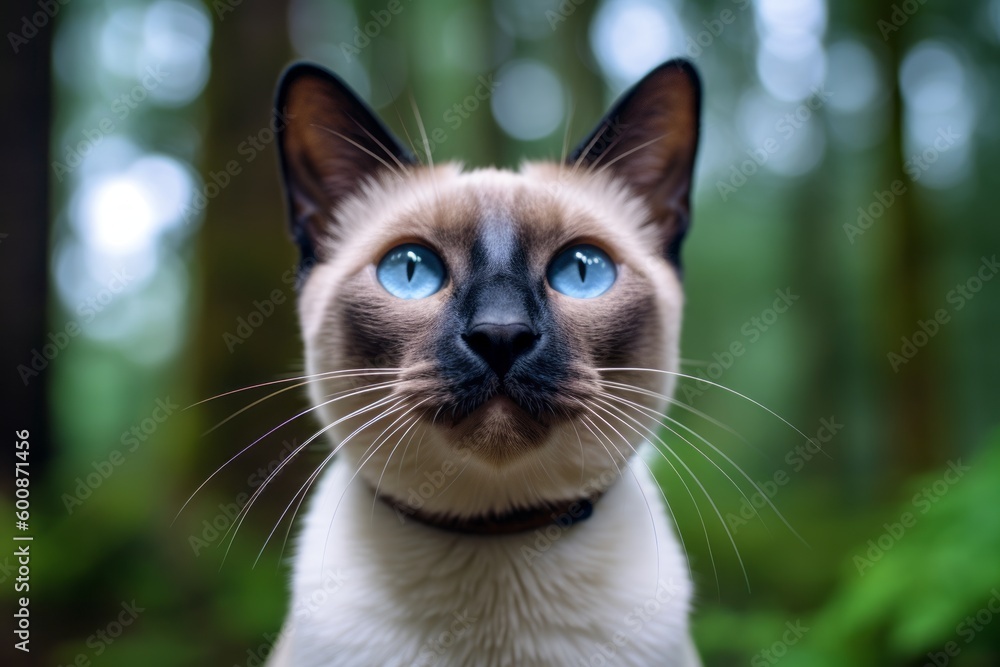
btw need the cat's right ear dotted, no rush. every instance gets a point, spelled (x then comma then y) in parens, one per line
(330, 143)
(650, 139)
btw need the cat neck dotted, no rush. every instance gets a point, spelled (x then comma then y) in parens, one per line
(562, 514)
(362, 567)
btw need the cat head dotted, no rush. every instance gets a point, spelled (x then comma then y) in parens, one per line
(464, 320)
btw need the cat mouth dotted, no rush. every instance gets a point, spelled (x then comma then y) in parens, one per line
(499, 428)
(495, 404)
(503, 405)
(524, 403)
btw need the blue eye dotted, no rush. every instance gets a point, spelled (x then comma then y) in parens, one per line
(411, 271)
(582, 272)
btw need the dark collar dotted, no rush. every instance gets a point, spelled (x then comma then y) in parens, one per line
(560, 513)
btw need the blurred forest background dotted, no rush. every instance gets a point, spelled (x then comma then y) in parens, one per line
(839, 271)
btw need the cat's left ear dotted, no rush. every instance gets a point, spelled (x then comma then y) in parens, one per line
(330, 144)
(649, 139)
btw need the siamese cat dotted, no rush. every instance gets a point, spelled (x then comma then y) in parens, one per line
(489, 352)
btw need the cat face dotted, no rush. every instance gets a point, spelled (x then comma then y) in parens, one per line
(484, 306)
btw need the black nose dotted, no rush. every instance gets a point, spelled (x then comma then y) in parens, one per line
(500, 344)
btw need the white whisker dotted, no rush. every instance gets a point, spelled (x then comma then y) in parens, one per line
(412, 422)
(377, 404)
(708, 497)
(359, 146)
(663, 495)
(358, 371)
(296, 386)
(645, 500)
(370, 452)
(259, 490)
(565, 146)
(657, 416)
(680, 404)
(598, 134)
(402, 167)
(427, 145)
(624, 155)
(693, 501)
(720, 386)
(284, 423)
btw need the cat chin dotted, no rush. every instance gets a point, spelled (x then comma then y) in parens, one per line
(499, 432)
(495, 460)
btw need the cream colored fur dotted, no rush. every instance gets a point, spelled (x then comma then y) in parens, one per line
(372, 587)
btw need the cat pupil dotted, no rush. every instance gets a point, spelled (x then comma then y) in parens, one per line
(582, 266)
(411, 266)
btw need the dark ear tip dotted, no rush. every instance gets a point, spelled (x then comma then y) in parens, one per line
(293, 73)
(681, 66)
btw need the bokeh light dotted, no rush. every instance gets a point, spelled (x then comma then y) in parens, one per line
(791, 62)
(529, 100)
(939, 114)
(630, 37)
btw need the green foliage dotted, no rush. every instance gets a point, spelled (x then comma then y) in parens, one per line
(922, 586)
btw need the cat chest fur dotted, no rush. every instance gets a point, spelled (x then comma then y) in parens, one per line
(370, 590)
